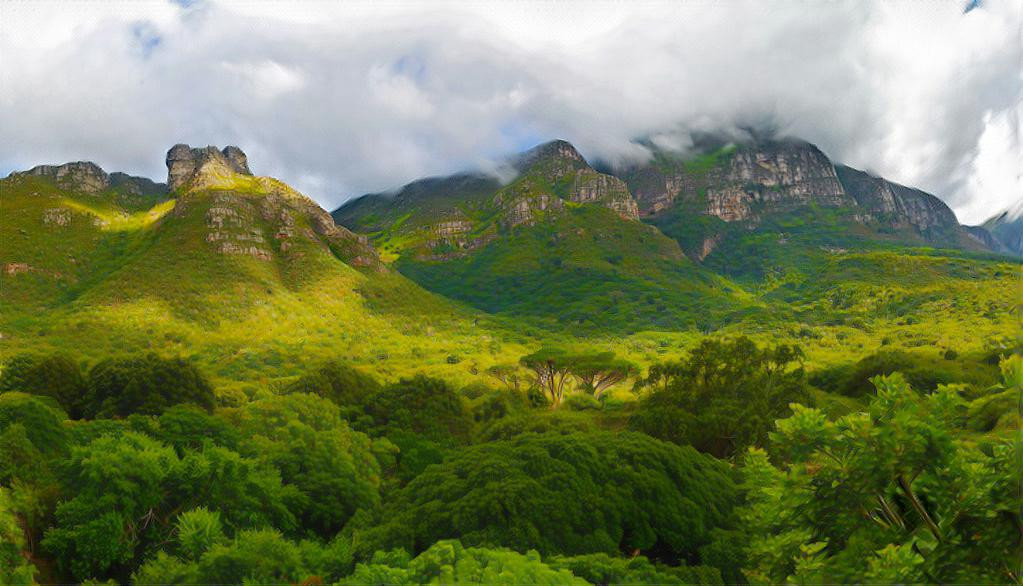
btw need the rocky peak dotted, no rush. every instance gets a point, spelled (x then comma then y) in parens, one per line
(556, 151)
(79, 176)
(184, 163)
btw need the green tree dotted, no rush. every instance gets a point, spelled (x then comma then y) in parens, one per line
(334, 470)
(337, 381)
(448, 562)
(15, 569)
(257, 556)
(889, 495)
(599, 371)
(145, 384)
(724, 396)
(551, 370)
(561, 493)
(55, 375)
(424, 405)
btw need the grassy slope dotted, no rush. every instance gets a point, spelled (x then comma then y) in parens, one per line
(586, 271)
(142, 284)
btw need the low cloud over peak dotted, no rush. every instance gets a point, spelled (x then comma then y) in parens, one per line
(341, 99)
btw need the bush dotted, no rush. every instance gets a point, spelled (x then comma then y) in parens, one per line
(145, 384)
(337, 382)
(56, 376)
(421, 404)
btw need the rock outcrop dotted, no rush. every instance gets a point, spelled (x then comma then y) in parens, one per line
(775, 177)
(260, 217)
(896, 206)
(81, 176)
(196, 167)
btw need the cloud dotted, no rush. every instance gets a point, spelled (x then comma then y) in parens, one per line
(345, 98)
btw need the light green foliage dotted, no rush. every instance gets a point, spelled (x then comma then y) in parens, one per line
(724, 396)
(253, 557)
(574, 493)
(122, 493)
(448, 562)
(889, 495)
(601, 568)
(197, 531)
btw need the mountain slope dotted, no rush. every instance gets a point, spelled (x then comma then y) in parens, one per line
(560, 244)
(1007, 228)
(240, 271)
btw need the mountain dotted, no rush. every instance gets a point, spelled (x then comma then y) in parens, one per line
(242, 271)
(560, 244)
(1006, 229)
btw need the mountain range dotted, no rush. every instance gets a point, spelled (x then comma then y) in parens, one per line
(249, 275)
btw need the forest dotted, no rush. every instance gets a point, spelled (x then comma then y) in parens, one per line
(733, 464)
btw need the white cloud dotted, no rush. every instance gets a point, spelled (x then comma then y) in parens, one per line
(343, 98)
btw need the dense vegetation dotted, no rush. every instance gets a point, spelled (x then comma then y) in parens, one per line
(596, 400)
(339, 478)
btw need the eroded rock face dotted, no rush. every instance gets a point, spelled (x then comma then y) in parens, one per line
(592, 187)
(895, 205)
(82, 176)
(186, 164)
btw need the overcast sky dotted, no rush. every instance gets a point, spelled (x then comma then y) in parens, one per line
(339, 99)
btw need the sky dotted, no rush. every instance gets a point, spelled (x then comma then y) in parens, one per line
(344, 98)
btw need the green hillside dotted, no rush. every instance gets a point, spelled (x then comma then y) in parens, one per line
(243, 274)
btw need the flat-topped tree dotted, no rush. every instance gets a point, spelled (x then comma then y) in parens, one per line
(599, 371)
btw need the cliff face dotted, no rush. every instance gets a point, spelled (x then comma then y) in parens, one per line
(734, 184)
(894, 205)
(744, 184)
(259, 217)
(196, 166)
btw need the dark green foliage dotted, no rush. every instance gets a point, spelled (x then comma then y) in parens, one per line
(421, 404)
(55, 375)
(724, 397)
(587, 269)
(337, 381)
(145, 384)
(924, 373)
(572, 494)
(189, 427)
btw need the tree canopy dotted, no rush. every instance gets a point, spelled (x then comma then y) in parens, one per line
(562, 493)
(724, 396)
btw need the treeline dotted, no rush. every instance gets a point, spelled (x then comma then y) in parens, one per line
(720, 473)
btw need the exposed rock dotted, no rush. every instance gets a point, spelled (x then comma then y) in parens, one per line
(590, 186)
(57, 217)
(13, 268)
(897, 206)
(186, 164)
(81, 176)
(1007, 228)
